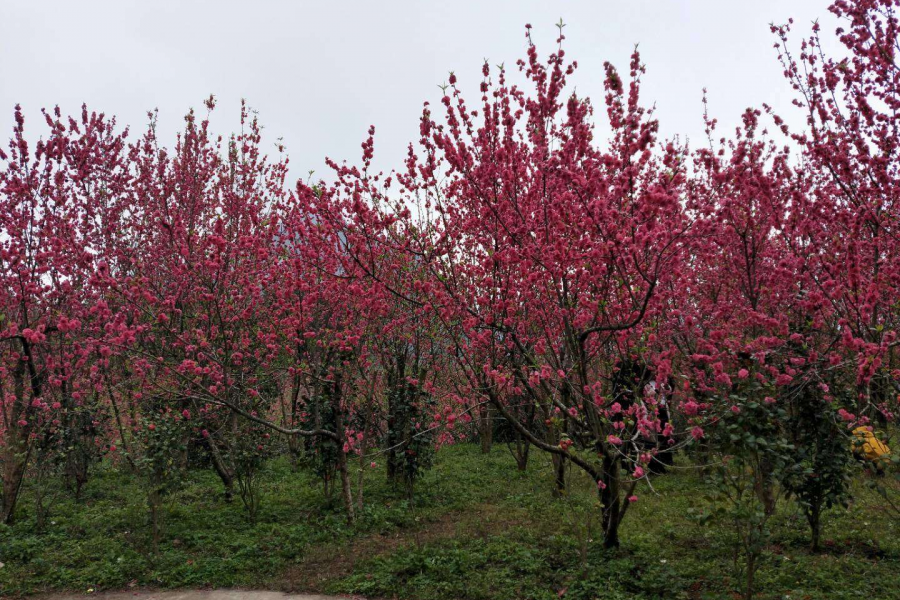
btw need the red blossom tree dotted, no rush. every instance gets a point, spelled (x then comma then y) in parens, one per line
(546, 253)
(49, 195)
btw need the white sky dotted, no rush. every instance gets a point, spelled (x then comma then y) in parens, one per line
(320, 73)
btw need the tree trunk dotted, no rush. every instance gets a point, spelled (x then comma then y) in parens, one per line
(609, 498)
(15, 462)
(154, 501)
(486, 429)
(346, 484)
(751, 572)
(17, 448)
(559, 475)
(221, 469)
(393, 440)
(360, 480)
(813, 516)
(40, 512)
(522, 449)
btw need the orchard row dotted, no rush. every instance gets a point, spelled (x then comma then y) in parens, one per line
(609, 302)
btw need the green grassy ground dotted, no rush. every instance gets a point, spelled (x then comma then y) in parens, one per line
(478, 529)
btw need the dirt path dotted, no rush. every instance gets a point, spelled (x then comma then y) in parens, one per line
(194, 595)
(329, 562)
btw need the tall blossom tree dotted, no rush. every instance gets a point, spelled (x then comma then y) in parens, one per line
(851, 142)
(546, 254)
(185, 281)
(397, 355)
(327, 314)
(48, 196)
(758, 337)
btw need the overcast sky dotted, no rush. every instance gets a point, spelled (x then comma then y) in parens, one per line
(320, 73)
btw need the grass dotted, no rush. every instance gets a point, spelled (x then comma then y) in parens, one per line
(478, 529)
